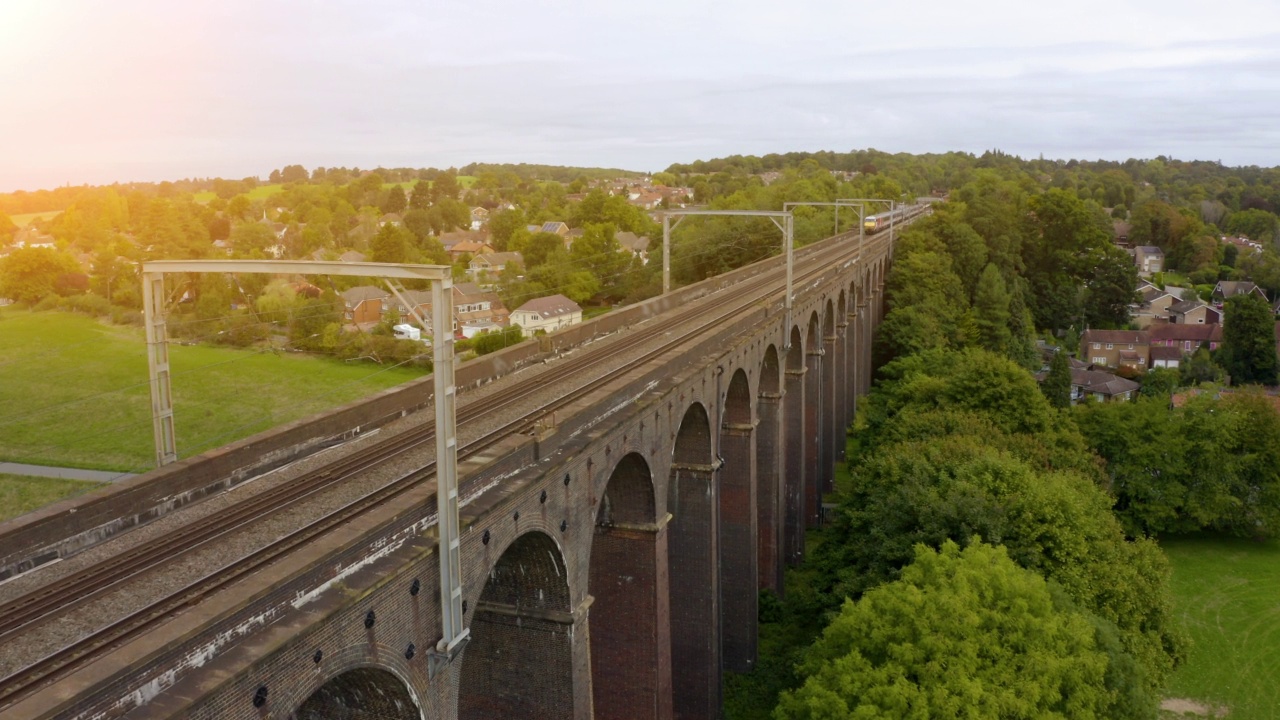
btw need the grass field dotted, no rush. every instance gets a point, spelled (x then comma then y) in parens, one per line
(258, 193)
(25, 219)
(20, 494)
(75, 392)
(1228, 594)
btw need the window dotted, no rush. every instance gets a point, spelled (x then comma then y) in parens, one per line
(1097, 346)
(1109, 346)
(1099, 361)
(1130, 346)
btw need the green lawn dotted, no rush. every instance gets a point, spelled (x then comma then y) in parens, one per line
(25, 219)
(259, 193)
(74, 392)
(20, 494)
(1228, 594)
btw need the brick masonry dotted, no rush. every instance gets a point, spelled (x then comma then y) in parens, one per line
(597, 580)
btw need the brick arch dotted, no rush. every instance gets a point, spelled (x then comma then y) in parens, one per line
(363, 691)
(769, 497)
(812, 439)
(792, 546)
(630, 638)
(827, 397)
(738, 525)
(692, 554)
(519, 661)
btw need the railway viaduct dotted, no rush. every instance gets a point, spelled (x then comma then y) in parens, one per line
(611, 556)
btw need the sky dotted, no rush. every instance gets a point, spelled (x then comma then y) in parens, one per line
(98, 91)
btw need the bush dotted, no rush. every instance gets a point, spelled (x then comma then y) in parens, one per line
(94, 305)
(494, 341)
(961, 634)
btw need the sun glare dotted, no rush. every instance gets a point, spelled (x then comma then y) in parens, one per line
(19, 19)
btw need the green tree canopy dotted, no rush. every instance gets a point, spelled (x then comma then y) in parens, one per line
(1057, 383)
(991, 311)
(1248, 350)
(31, 274)
(961, 634)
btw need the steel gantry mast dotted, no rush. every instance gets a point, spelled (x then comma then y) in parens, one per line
(453, 633)
(782, 219)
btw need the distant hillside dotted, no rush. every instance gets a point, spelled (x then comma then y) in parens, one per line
(559, 173)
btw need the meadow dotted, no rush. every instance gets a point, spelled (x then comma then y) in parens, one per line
(21, 494)
(259, 193)
(25, 219)
(74, 392)
(1227, 592)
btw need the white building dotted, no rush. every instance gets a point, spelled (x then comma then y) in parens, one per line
(547, 314)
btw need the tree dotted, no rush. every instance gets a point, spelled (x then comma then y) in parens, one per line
(248, 238)
(1110, 288)
(395, 201)
(539, 248)
(1022, 330)
(391, 244)
(7, 227)
(445, 186)
(991, 311)
(418, 222)
(1208, 465)
(31, 274)
(962, 634)
(502, 226)
(1249, 341)
(421, 197)
(1255, 224)
(1057, 383)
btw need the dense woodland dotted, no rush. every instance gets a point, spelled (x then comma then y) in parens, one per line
(994, 552)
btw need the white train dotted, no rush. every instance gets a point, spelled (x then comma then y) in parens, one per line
(875, 223)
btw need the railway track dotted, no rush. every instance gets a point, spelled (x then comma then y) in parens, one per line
(77, 589)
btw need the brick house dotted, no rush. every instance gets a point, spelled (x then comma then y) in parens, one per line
(1187, 338)
(1163, 356)
(1116, 348)
(364, 304)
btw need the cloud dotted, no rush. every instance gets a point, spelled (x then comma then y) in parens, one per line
(150, 90)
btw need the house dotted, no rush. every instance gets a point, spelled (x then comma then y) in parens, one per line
(547, 314)
(493, 262)
(1149, 259)
(1163, 356)
(1154, 303)
(556, 227)
(351, 256)
(636, 246)
(390, 219)
(1186, 337)
(469, 247)
(479, 216)
(473, 306)
(1116, 348)
(1120, 231)
(364, 304)
(450, 239)
(1088, 384)
(418, 301)
(1101, 387)
(1230, 288)
(1193, 312)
